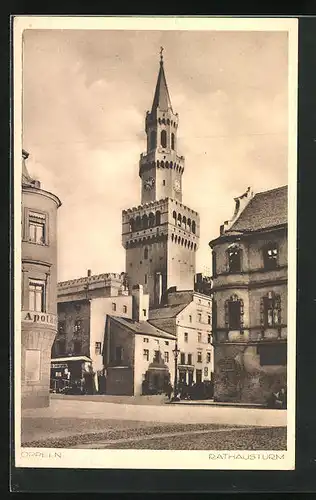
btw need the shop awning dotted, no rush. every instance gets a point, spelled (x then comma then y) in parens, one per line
(72, 358)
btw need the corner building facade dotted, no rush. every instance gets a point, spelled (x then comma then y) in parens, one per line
(161, 235)
(250, 299)
(39, 289)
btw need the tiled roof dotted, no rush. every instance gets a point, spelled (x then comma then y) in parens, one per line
(142, 327)
(265, 210)
(170, 311)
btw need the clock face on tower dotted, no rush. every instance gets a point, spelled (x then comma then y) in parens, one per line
(149, 183)
(177, 185)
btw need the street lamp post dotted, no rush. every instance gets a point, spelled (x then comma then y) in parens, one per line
(176, 353)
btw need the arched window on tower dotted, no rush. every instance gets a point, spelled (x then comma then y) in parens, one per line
(146, 253)
(184, 222)
(158, 218)
(163, 138)
(179, 220)
(172, 141)
(189, 224)
(131, 225)
(193, 227)
(153, 139)
(151, 220)
(144, 221)
(138, 223)
(174, 215)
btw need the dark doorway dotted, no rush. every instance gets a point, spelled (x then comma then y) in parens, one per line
(198, 376)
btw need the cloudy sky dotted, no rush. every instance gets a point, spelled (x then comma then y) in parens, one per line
(85, 95)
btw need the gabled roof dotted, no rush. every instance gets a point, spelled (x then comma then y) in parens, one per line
(141, 327)
(265, 210)
(168, 311)
(161, 98)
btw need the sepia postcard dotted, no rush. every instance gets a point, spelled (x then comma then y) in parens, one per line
(155, 179)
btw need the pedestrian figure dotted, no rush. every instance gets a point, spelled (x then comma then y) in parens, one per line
(169, 390)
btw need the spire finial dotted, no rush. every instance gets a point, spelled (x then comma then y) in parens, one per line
(161, 56)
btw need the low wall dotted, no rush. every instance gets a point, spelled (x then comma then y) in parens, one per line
(120, 381)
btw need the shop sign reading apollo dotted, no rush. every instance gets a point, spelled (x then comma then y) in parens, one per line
(42, 318)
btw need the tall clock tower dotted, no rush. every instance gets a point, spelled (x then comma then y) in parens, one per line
(161, 235)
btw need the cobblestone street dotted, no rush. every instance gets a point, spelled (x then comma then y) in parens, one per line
(71, 423)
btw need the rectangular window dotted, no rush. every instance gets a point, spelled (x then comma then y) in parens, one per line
(199, 337)
(113, 306)
(156, 356)
(200, 318)
(208, 357)
(182, 358)
(146, 354)
(37, 228)
(234, 311)
(98, 348)
(61, 327)
(209, 319)
(146, 339)
(166, 357)
(270, 257)
(209, 338)
(273, 354)
(145, 279)
(167, 342)
(186, 337)
(78, 326)
(199, 356)
(118, 354)
(32, 365)
(234, 260)
(190, 359)
(190, 319)
(125, 309)
(272, 311)
(37, 296)
(77, 347)
(144, 312)
(163, 182)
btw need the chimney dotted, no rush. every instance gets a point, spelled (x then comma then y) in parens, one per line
(89, 273)
(140, 303)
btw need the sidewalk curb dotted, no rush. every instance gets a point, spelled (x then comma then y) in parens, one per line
(228, 405)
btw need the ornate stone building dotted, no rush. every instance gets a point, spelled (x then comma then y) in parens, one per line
(39, 288)
(250, 298)
(161, 235)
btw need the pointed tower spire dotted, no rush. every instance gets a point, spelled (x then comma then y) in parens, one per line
(161, 98)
